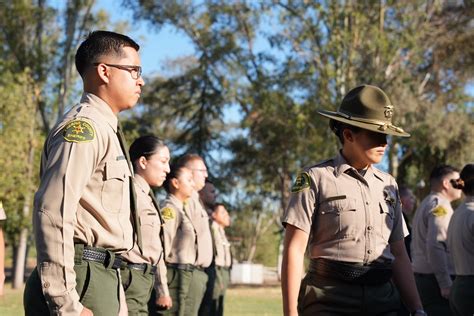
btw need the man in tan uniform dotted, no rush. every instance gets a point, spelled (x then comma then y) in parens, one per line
(432, 261)
(222, 259)
(200, 221)
(347, 213)
(82, 207)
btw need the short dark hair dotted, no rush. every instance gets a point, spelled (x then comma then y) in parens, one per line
(144, 146)
(439, 172)
(216, 205)
(338, 127)
(98, 44)
(185, 159)
(467, 176)
(175, 172)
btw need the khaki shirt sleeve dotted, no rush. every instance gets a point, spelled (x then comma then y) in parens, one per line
(161, 280)
(399, 229)
(65, 174)
(436, 246)
(301, 206)
(170, 227)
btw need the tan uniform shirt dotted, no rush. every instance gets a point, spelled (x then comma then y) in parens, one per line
(223, 257)
(180, 236)
(349, 218)
(429, 249)
(461, 237)
(3, 216)
(83, 197)
(150, 224)
(200, 220)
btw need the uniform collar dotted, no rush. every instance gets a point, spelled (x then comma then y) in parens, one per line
(142, 184)
(342, 166)
(176, 201)
(102, 107)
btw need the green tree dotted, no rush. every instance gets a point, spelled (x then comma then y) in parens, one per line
(281, 61)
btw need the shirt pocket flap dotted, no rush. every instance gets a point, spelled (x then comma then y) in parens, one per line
(116, 170)
(337, 204)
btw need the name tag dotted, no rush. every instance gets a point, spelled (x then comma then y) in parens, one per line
(121, 157)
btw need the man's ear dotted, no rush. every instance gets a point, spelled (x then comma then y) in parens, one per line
(103, 72)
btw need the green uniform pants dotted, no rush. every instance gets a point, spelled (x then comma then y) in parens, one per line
(97, 286)
(197, 289)
(433, 303)
(461, 298)
(137, 285)
(220, 287)
(329, 297)
(206, 308)
(179, 281)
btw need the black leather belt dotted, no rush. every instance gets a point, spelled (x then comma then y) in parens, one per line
(181, 266)
(372, 274)
(101, 256)
(142, 267)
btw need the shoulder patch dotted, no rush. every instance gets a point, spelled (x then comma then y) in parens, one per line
(439, 211)
(78, 131)
(302, 182)
(167, 213)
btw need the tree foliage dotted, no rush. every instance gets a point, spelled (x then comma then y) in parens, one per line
(279, 62)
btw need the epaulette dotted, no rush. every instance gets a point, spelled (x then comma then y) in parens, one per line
(318, 164)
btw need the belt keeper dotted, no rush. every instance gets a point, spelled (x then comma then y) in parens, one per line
(78, 253)
(111, 258)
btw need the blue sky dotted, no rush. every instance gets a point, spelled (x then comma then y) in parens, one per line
(156, 46)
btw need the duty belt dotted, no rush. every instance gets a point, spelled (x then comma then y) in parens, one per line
(372, 274)
(102, 256)
(181, 266)
(142, 267)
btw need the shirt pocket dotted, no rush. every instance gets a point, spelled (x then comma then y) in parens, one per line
(386, 220)
(149, 223)
(115, 186)
(338, 216)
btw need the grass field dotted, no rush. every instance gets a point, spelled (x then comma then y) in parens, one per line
(240, 301)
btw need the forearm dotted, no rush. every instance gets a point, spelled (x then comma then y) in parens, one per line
(292, 268)
(291, 273)
(439, 262)
(161, 280)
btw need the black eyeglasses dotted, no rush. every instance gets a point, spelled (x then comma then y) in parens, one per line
(135, 71)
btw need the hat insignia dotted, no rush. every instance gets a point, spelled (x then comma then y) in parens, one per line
(388, 111)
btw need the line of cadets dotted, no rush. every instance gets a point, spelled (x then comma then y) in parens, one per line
(183, 267)
(100, 232)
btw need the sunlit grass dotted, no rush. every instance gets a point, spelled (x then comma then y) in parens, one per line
(240, 301)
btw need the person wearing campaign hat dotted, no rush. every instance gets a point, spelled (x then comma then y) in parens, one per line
(348, 214)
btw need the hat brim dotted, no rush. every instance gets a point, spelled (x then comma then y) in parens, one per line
(368, 126)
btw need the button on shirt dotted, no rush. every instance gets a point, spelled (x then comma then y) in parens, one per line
(150, 225)
(349, 217)
(429, 249)
(223, 257)
(83, 197)
(461, 237)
